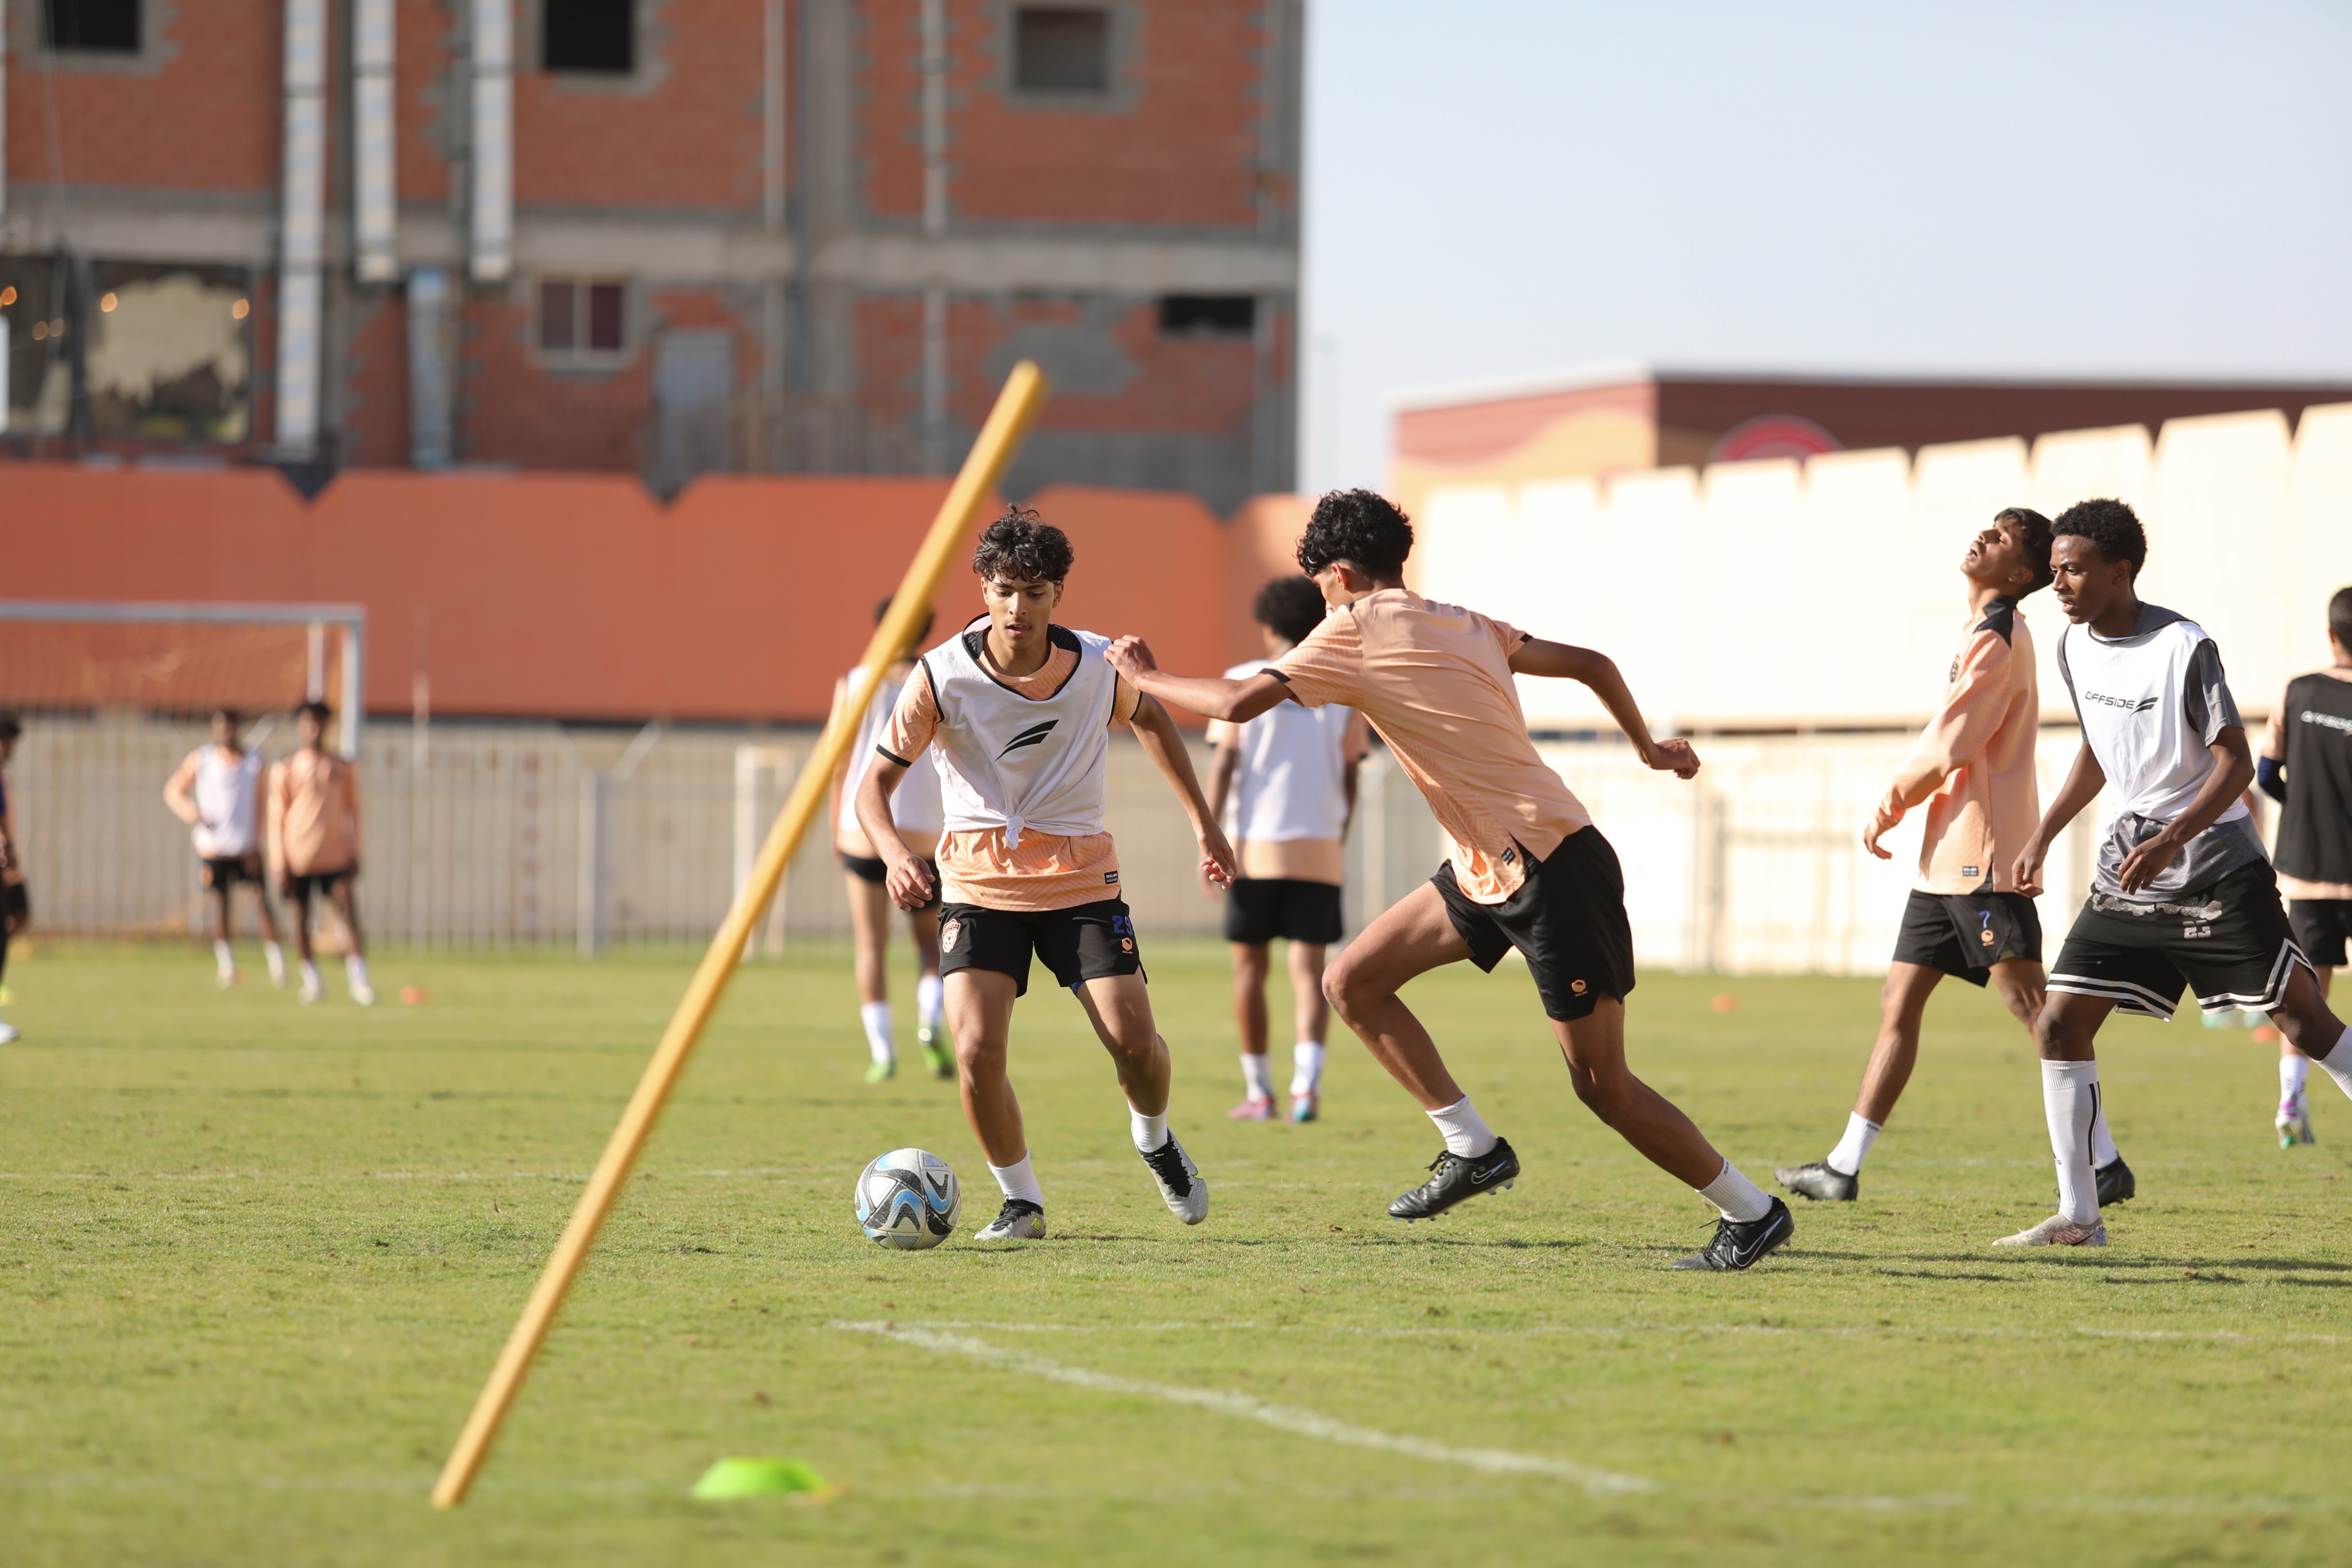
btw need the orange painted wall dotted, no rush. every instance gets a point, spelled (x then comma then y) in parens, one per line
(578, 596)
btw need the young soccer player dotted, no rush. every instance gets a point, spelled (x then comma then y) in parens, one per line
(2307, 767)
(2183, 893)
(217, 793)
(1973, 768)
(1291, 776)
(15, 906)
(916, 809)
(314, 833)
(1018, 712)
(1526, 869)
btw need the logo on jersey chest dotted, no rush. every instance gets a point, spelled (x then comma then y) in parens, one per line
(2326, 721)
(2129, 705)
(1033, 736)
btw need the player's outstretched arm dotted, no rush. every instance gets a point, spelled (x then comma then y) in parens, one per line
(2083, 781)
(1559, 661)
(180, 793)
(1965, 723)
(1165, 747)
(1210, 695)
(908, 880)
(2219, 791)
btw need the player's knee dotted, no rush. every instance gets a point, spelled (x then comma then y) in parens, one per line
(2052, 1035)
(1346, 987)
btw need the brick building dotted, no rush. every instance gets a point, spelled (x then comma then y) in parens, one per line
(666, 236)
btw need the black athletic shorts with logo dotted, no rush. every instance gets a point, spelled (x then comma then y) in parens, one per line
(1089, 941)
(2321, 927)
(226, 871)
(2230, 944)
(1259, 909)
(1965, 934)
(875, 870)
(1567, 921)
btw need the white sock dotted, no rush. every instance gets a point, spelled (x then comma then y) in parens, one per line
(1019, 1182)
(1738, 1198)
(2295, 1071)
(1258, 1076)
(222, 957)
(1466, 1133)
(2102, 1142)
(1854, 1147)
(2338, 1063)
(355, 968)
(309, 976)
(875, 1016)
(1150, 1132)
(2070, 1103)
(931, 1001)
(276, 956)
(1305, 1068)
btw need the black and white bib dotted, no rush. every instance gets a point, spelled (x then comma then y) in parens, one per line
(1016, 762)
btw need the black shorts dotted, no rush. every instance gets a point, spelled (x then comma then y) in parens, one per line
(1567, 921)
(303, 884)
(222, 872)
(2230, 944)
(1965, 934)
(875, 870)
(16, 904)
(1090, 941)
(2321, 927)
(1259, 909)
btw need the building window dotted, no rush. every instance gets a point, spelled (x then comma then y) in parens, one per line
(582, 318)
(1061, 49)
(1207, 315)
(595, 36)
(94, 27)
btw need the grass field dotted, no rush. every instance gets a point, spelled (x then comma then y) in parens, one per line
(257, 1259)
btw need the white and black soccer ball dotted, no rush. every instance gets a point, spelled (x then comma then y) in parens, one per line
(909, 1199)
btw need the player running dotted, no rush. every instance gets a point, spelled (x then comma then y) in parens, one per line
(1017, 712)
(2307, 767)
(916, 809)
(217, 793)
(2183, 893)
(314, 833)
(15, 907)
(1973, 768)
(1526, 869)
(1296, 772)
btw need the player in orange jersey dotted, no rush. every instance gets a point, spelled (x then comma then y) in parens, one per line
(314, 836)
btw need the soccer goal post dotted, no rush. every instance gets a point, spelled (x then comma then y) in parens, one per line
(97, 655)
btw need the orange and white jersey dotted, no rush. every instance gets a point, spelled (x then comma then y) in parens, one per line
(1976, 755)
(314, 813)
(915, 805)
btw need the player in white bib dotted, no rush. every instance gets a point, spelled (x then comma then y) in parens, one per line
(216, 791)
(2182, 894)
(916, 809)
(1016, 713)
(1283, 783)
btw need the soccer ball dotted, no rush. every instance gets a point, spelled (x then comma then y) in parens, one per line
(909, 1199)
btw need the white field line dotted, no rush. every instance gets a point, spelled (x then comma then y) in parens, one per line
(1283, 1417)
(1605, 1331)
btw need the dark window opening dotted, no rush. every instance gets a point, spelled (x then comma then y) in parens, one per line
(1061, 49)
(578, 317)
(594, 35)
(94, 27)
(1207, 315)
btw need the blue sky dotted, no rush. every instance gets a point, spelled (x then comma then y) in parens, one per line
(1500, 189)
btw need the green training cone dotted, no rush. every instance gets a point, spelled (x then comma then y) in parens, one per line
(757, 1478)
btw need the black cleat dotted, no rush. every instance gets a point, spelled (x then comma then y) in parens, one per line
(1819, 1181)
(1458, 1178)
(1742, 1244)
(1018, 1220)
(2116, 1183)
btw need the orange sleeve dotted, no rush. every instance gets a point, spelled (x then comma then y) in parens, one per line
(913, 722)
(1125, 700)
(1328, 667)
(1971, 711)
(1507, 636)
(1357, 742)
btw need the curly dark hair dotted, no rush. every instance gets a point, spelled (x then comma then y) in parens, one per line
(1289, 607)
(1360, 528)
(316, 710)
(2112, 528)
(2033, 532)
(1022, 547)
(2340, 617)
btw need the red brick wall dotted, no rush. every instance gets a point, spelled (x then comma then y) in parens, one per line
(376, 385)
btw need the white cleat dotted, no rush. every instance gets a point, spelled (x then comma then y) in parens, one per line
(311, 992)
(228, 978)
(2059, 1231)
(1019, 1220)
(2294, 1123)
(8, 1035)
(1179, 1181)
(363, 994)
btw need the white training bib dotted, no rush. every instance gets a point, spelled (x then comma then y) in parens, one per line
(1013, 763)
(1291, 780)
(228, 800)
(2130, 695)
(915, 805)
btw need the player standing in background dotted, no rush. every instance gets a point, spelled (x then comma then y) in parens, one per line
(15, 906)
(2307, 767)
(1296, 772)
(1021, 712)
(2183, 893)
(1526, 869)
(915, 809)
(1973, 767)
(314, 836)
(217, 793)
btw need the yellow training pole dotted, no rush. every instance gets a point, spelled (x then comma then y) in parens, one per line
(1016, 408)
